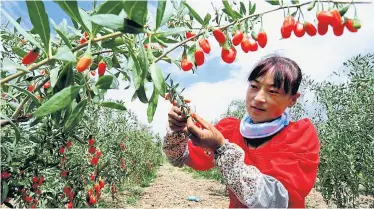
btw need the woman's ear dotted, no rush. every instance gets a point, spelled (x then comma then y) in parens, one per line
(294, 99)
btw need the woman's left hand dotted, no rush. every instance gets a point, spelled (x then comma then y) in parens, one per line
(207, 136)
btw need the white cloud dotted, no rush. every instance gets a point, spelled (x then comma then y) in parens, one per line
(317, 56)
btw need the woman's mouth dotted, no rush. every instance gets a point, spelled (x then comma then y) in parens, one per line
(256, 108)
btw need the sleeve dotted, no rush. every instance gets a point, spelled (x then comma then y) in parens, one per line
(250, 186)
(297, 164)
(202, 159)
(180, 150)
(175, 147)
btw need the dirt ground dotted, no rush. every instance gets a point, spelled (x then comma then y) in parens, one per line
(173, 186)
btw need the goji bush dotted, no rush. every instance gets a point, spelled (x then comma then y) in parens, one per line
(59, 143)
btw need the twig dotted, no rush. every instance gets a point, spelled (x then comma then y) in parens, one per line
(19, 119)
(47, 60)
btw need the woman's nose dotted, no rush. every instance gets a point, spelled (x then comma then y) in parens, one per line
(260, 97)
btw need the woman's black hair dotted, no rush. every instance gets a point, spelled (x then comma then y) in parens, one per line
(287, 73)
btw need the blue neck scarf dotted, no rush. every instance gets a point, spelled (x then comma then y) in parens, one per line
(251, 130)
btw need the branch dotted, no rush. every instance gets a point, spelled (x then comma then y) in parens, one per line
(253, 15)
(19, 119)
(47, 60)
(101, 52)
(19, 108)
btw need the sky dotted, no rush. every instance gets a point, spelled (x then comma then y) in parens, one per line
(217, 83)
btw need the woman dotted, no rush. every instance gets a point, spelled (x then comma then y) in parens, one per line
(266, 160)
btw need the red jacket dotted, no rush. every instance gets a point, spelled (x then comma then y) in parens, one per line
(291, 156)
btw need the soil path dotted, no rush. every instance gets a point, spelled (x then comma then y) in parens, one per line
(173, 186)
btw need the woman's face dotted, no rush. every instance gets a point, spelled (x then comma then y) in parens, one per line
(264, 102)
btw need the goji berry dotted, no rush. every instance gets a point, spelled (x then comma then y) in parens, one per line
(190, 35)
(69, 205)
(92, 149)
(47, 85)
(262, 38)
(299, 30)
(199, 57)
(186, 65)
(31, 88)
(91, 142)
(92, 200)
(336, 19)
(285, 33)
(94, 161)
(228, 55)
(31, 56)
(167, 95)
(35, 179)
(98, 153)
(82, 40)
(238, 37)
(102, 184)
(338, 30)
(349, 25)
(69, 144)
(62, 150)
(101, 67)
(219, 35)
(5, 175)
(83, 63)
(205, 46)
(288, 24)
(310, 29)
(324, 17)
(322, 28)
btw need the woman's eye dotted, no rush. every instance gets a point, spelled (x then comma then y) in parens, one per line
(273, 92)
(253, 86)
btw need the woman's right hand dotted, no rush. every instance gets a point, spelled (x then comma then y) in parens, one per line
(177, 121)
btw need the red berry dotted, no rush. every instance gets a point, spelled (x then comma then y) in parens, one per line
(31, 88)
(62, 150)
(98, 153)
(69, 144)
(31, 56)
(34, 179)
(91, 142)
(219, 35)
(94, 161)
(299, 30)
(47, 85)
(238, 37)
(186, 65)
(101, 68)
(92, 149)
(205, 46)
(199, 57)
(102, 184)
(262, 38)
(228, 55)
(310, 29)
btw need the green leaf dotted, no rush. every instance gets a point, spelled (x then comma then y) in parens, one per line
(65, 54)
(130, 26)
(9, 65)
(136, 10)
(111, 21)
(18, 51)
(144, 64)
(294, 1)
(4, 191)
(152, 106)
(229, 10)
(16, 130)
(158, 79)
(86, 19)
(207, 19)
(104, 82)
(160, 12)
(53, 75)
(174, 31)
(168, 12)
(63, 37)
(113, 105)
(136, 70)
(194, 14)
(76, 116)
(343, 10)
(108, 7)
(58, 101)
(252, 11)
(140, 92)
(273, 2)
(21, 30)
(39, 20)
(243, 11)
(311, 5)
(28, 93)
(71, 9)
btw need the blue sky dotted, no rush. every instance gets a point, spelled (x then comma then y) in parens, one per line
(216, 83)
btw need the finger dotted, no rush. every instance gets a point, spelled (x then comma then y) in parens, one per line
(192, 128)
(177, 117)
(200, 120)
(195, 140)
(176, 128)
(172, 121)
